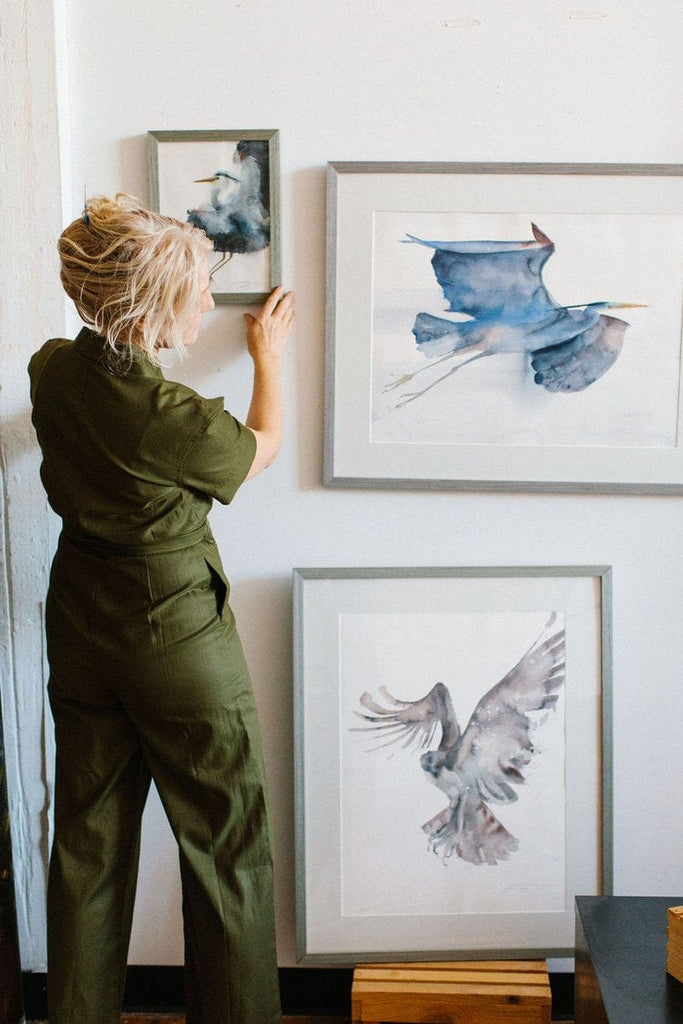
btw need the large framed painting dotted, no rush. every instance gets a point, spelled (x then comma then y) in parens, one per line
(228, 184)
(453, 783)
(505, 326)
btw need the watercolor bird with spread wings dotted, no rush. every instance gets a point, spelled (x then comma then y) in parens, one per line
(499, 286)
(485, 763)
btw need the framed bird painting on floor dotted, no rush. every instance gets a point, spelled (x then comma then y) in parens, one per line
(227, 184)
(453, 774)
(505, 326)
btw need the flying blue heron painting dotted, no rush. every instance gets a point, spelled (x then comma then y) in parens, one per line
(236, 215)
(484, 764)
(499, 286)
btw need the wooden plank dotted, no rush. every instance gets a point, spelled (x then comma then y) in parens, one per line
(459, 997)
(460, 970)
(433, 1007)
(443, 985)
(453, 978)
(538, 966)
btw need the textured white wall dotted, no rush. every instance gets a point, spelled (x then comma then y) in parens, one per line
(492, 80)
(31, 308)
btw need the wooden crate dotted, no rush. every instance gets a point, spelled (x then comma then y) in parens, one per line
(674, 948)
(461, 992)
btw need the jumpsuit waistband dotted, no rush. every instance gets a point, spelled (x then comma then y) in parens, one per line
(104, 549)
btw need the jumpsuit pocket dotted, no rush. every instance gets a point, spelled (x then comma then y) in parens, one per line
(220, 587)
(188, 597)
(220, 581)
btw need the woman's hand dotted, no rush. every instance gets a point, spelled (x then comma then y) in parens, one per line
(267, 336)
(268, 332)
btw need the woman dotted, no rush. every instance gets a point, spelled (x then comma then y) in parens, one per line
(147, 674)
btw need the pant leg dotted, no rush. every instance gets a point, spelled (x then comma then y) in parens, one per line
(208, 770)
(101, 785)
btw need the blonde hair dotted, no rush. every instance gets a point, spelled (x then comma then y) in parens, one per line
(134, 275)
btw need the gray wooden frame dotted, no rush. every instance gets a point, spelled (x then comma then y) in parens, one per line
(304, 729)
(155, 143)
(339, 418)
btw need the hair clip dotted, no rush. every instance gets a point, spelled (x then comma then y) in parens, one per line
(86, 216)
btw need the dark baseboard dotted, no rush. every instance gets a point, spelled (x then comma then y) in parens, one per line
(304, 990)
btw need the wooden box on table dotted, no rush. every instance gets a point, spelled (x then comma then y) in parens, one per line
(674, 945)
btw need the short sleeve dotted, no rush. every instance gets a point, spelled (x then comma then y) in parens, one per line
(39, 360)
(219, 456)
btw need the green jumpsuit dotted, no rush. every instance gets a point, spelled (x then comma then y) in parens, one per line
(148, 678)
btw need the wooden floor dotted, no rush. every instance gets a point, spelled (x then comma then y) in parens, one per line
(147, 1018)
(154, 1018)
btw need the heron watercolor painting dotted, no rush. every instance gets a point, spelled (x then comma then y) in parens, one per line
(485, 763)
(499, 286)
(534, 330)
(504, 326)
(236, 216)
(227, 184)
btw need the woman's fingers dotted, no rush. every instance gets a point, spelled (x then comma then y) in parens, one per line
(285, 307)
(279, 304)
(272, 301)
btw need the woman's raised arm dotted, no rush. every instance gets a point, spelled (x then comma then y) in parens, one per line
(267, 337)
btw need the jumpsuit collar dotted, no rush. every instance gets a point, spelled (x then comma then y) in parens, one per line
(93, 346)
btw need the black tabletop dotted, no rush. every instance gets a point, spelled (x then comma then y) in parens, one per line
(626, 939)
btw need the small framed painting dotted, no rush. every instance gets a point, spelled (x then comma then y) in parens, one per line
(226, 183)
(505, 327)
(453, 781)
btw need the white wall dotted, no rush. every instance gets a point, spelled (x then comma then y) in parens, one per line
(479, 80)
